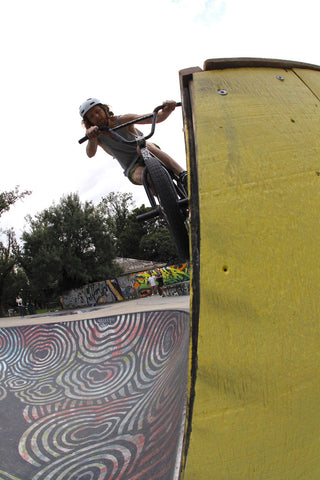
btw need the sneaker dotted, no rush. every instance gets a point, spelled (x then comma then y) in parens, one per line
(183, 177)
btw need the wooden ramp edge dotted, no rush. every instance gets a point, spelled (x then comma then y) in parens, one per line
(253, 147)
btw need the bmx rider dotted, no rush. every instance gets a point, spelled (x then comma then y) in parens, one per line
(95, 114)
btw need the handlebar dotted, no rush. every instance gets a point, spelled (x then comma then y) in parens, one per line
(152, 115)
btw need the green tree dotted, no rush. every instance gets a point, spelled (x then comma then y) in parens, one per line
(159, 247)
(116, 208)
(8, 249)
(7, 199)
(68, 246)
(129, 239)
(148, 239)
(8, 259)
(16, 283)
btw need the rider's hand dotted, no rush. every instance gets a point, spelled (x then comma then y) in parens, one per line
(170, 105)
(93, 132)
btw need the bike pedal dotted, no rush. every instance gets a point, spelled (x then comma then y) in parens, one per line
(151, 214)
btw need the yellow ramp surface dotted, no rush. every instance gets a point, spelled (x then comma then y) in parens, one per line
(253, 145)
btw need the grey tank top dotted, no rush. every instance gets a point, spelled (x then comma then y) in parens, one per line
(126, 154)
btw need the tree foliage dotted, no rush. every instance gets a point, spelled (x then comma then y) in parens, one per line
(68, 246)
(116, 208)
(7, 199)
(159, 246)
(8, 259)
(9, 250)
(148, 239)
(71, 244)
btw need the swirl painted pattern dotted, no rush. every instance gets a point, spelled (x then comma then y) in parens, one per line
(95, 399)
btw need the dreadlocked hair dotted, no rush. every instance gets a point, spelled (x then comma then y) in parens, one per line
(107, 110)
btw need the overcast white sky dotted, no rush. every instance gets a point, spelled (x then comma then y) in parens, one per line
(128, 53)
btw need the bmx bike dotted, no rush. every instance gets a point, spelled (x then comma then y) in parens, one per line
(165, 191)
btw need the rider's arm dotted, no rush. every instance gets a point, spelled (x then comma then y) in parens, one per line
(92, 144)
(163, 114)
(91, 148)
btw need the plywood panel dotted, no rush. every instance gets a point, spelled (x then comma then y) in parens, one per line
(257, 155)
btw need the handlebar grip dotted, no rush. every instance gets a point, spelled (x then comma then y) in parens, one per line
(83, 139)
(160, 107)
(102, 129)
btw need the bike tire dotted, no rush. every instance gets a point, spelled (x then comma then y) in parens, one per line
(168, 201)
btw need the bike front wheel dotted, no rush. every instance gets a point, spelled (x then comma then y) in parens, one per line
(170, 209)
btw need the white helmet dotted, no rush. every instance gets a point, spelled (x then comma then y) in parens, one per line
(89, 103)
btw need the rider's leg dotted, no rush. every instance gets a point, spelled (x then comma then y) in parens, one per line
(169, 163)
(135, 175)
(165, 158)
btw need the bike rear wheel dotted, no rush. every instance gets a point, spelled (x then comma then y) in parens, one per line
(168, 201)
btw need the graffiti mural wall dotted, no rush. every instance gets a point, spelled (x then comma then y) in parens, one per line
(175, 278)
(108, 291)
